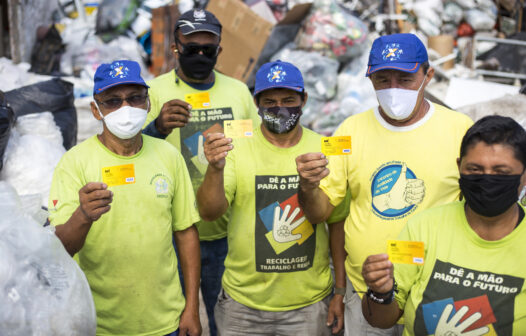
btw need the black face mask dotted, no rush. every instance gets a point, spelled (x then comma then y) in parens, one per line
(197, 66)
(489, 195)
(280, 120)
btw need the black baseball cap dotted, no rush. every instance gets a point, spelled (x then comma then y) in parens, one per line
(198, 20)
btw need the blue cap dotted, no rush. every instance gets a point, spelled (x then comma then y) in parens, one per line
(403, 52)
(117, 73)
(278, 74)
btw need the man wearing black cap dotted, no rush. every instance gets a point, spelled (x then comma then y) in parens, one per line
(402, 161)
(116, 200)
(187, 104)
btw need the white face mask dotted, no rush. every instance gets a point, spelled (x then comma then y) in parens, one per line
(125, 122)
(397, 103)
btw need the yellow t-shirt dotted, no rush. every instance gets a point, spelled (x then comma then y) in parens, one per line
(462, 270)
(277, 260)
(227, 99)
(381, 201)
(128, 257)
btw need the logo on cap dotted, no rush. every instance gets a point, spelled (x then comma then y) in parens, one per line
(118, 70)
(392, 52)
(276, 74)
(199, 14)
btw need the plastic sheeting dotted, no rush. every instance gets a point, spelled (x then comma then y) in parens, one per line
(318, 71)
(42, 290)
(55, 96)
(333, 31)
(33, 151)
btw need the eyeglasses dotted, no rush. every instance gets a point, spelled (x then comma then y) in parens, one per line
(188, 49)
(115, 103)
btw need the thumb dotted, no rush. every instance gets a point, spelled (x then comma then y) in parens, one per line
(403, 172)
(330, 318)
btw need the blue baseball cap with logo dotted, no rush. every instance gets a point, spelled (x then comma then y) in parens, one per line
(278, 74)
(117, 73)
(403, 52)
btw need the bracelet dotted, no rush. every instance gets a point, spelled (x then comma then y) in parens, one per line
(340, 291)
(388, 297)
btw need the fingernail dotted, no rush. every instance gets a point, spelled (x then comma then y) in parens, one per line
(323, 156)
(189, 107)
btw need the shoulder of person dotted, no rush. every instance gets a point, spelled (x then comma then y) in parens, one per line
(78, 153)
(360, 119)
(223, 79)
(159, 144)
(161, 80)
(308, 133)
(435, 217)
(453, 115)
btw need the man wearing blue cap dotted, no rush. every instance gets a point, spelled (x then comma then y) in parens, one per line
(188, 103)
(277, 279)
(116, 200)
(402, 162)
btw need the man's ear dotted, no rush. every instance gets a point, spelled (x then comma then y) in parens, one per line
(305, 97)
(95, 111)
(458, 164)
(430, 74)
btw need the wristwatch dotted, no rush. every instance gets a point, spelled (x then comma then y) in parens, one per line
(339, 291)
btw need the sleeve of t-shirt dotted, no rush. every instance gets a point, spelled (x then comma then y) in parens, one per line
(155, 107)
(341, 212)
(335, 184)
(64, 193)
(406, 275)
(184, 206)
(251, 110)
(229, 176)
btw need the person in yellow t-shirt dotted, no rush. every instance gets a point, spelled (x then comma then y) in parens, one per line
(277, 279)
(188, 103)
(116, 201)
(401, 164)
(472, 280)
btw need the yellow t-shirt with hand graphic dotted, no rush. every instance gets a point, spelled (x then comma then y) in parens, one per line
(277, 260)
(392, 173)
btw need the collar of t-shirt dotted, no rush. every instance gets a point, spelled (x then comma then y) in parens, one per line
(521, 216)
(200, 86)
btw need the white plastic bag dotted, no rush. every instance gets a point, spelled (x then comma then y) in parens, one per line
(42, 290)
(318, 71)
(33, 151)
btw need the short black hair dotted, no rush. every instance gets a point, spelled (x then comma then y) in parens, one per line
(496, 129)
(302, 96)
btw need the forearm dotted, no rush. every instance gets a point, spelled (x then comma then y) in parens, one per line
(187, 242)
(315, 204)
(151, 130)
(380, 315)
(338, 254)
(211, 198)
(73, 233)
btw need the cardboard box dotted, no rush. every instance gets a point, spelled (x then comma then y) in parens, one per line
(244, 35)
